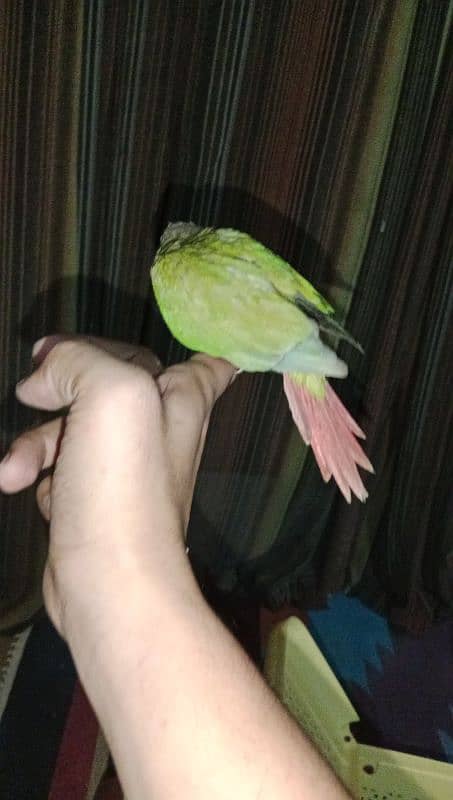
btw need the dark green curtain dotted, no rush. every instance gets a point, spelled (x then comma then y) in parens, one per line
(320, 127)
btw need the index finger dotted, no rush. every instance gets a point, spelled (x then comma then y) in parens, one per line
(137, 354)
(214, 375)
(198, 382)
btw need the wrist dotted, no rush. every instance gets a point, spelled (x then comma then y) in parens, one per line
(111, 639)
(86, 591)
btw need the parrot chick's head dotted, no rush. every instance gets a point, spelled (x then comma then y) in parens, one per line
(176, 233)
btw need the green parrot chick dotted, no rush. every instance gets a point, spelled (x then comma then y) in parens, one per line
(225, 294)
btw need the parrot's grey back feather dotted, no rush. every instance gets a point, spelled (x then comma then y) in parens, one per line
(325, 322)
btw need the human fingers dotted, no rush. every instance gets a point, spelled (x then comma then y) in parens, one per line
(72, 366)
(188, 392)
(196, 383)
(136, 354)
(56, 381)
(33, 451)
(210, 377)
(36, 449)
(43, 495)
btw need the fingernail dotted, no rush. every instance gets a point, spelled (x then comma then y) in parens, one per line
(37, 347)
(234, 376)
(43, 346)
(6, 457)
(46, 503)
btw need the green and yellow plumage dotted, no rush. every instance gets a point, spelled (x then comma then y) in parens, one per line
(225, 294)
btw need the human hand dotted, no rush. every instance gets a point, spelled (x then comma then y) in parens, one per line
(124, 458)
(169, 684)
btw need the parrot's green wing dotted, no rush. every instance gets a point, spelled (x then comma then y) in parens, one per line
(285, 279)
(222, 292)
(325, 323)
(289, 283)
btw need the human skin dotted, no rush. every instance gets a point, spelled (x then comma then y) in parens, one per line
(185, 712)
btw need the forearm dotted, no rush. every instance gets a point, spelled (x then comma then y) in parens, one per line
(185, 712)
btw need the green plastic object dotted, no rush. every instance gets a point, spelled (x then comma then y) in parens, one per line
(299, 674)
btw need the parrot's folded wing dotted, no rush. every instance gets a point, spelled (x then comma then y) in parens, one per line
(325, 322)
(323, 318)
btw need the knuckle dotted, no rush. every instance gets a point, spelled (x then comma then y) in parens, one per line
(189, 384)
(202, 377)
(173, 382)
(89, 367)
(64, 380)
(65, 348)
(147, 360)
(182, 395)
(128, 386)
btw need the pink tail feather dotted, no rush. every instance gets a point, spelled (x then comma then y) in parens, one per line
(327, 426)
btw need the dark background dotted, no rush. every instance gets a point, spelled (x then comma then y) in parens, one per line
(320, 128)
